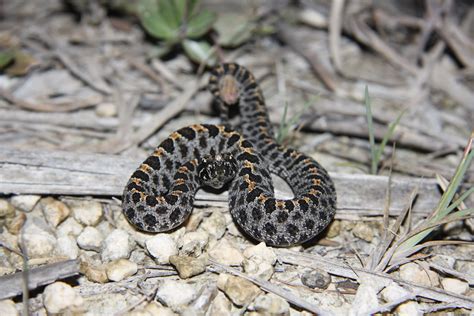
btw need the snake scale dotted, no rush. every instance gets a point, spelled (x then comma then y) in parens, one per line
(159, 195)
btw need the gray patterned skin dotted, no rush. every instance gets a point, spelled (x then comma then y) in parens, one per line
(159, 196)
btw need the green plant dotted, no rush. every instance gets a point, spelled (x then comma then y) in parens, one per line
(377, 151)
(6, 57)
(397, 246)
(444, 211)
(179, 22)
(286, 125)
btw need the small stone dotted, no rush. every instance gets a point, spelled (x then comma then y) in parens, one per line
(121, 269)
(106, 109)
(15, 224)
(94, 273)
(152, 309)
(193, 243)
(393, 292)
(239, 290)
(194, 221)
(60, 297)
(316, 278)
(117, 245)
(90, 239)
(262, 251)
(188, 266)
(334, 229)
(6, 209)
(105, 228)
(271, 304)
(221, 305)
(215, 224)
(7, 307)
(140, 255)
(258, 267)
(69, 227)
(88, 213)
(106, 303)
(455, 285)
(408, 308)
(259, 261)
(54, 211)
(232, 228)
(25, 203)
(176, 294)
(37, 238)
(412, 272)
(67, 247)
(466, 266)
(161, 247)
(363, 231)
(225, 253)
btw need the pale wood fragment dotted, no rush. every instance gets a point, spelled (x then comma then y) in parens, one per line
(68, 173)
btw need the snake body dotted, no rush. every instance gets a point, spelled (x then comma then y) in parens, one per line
(159, 195)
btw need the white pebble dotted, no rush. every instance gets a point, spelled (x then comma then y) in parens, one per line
(455, 285)
(152, 309)
(54, 211)
(161, 247)
(259, 268)
(37, 238)
(271, 304)
(193, 243)
(69, 227)
(239, 290)
(408, 308)
(106, 110)
(7, 307)
(60, 297)
(25, 203)
(215, 225)
(176, 294)
(67, 246)
(412, 272)
(224, 252)
(363, 231)
(87, 213)
(261, 250)
(121, 269)
(117, 245)
(393, 292)
(90, 239)
(6, 209)
(221, 305)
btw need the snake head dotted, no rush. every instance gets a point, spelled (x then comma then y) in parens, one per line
(229, 89)
(216, 171)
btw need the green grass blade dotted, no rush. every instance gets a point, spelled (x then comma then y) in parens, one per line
(459, 200)
(370, 126)
(443, 208)
(387, 136)
(6, 57)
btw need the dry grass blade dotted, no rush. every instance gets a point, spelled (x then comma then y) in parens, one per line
(386, 242)
(444, 207)
(381, 248)
(462, 276)
(390, 306)
(69, 106)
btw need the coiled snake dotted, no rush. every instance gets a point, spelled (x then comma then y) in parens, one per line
(159, 195)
